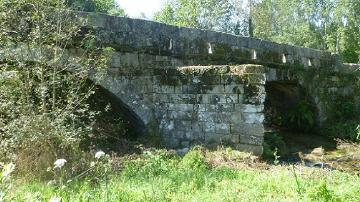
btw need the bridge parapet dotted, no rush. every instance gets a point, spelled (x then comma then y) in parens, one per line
(201, 47)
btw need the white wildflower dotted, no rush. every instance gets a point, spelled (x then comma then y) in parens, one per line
(8, 170)
(99, 154)
(59, 163)
(55, 199)
(51, 183)
(92, 164)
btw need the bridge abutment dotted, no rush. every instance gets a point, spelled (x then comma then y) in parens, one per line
(212, 105)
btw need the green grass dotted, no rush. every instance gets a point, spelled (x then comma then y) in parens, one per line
(160, 177)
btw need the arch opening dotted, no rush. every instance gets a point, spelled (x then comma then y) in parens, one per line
(115, 124)
(291, 121)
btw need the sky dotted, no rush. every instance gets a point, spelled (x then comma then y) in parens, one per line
(134, 8)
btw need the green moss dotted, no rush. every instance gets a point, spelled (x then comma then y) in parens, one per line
(169, 80)
(221, 52)
(270, 56)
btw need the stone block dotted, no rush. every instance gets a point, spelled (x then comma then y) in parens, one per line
(181, 107)
(257, 79)
(253, 140)
(220, 107)
(221, 117)
(232, 98)
(248, 129)
(167, 89)
(215, 89)
(179, 134)
(211, 137)
(183, 98)
(209, 127)
(161, 98)
(180, 115)
(172, 142)
(248, 108)
(182, 125)
(234, 89)
(199, 107)
(203, 98)
(254, 117)
(222, 128)
(236, 117)
(235, 139)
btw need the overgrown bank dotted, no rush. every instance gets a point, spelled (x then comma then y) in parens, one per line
(222, 175)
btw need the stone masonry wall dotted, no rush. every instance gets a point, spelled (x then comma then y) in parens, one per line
(212, 104)
(198, 104)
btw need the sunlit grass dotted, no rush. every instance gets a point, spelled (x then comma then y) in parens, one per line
(159, 177)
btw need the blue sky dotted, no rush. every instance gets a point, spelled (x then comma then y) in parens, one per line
(135, 7)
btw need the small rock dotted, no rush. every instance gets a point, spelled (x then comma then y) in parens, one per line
(182, 152)
(356, 165)
(318, 151)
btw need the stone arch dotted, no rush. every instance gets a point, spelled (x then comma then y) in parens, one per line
(133, 98)
(131, 122)
(288, 105)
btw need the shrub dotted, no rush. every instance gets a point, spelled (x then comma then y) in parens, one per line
(302, 117)
(151, 163)
(348, 130)
(5, 181)
(43, 111)
(273, 143)
(194, 159)
(322, 193)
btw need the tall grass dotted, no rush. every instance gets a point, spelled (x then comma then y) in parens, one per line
(160, 176)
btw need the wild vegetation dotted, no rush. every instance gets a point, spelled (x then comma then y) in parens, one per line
(62, 138)
(101, 6)
(221, 175)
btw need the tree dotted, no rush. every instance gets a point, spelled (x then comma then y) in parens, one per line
(44, 84)
(101, 6)
(321, 24)
(219, 15)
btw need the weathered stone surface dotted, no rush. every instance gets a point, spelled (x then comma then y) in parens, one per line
(152, 73)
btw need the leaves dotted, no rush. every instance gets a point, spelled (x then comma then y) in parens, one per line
(44, 83)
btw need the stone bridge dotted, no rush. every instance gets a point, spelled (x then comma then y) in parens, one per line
(198, 86)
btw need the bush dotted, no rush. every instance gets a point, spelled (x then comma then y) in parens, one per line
(5, 180)
(302, 117)
(322, 193)
(44, 112)
(194, 159)
(348, 130)
(151, 163)
(273, 143)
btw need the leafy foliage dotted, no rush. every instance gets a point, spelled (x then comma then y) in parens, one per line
(101, 6)
(273, 145)
(327, 25)
(219, 15)
(45, 85)
(194, 160)
(302, 117)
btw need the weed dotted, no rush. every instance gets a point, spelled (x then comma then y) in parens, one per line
(194, 159)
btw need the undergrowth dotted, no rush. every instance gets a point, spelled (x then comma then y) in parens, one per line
(163, 176)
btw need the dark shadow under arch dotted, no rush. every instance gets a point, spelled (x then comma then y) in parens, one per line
(116, 127)
(291, 119)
